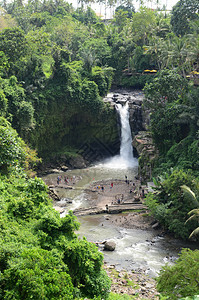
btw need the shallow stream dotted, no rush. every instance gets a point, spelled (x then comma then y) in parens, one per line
(135, 249)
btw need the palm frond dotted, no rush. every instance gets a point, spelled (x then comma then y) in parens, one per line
(194, 211)
(189, 193)
(195, 232)
(190, 218)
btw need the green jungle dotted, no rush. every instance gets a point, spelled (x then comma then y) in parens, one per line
(56, 65)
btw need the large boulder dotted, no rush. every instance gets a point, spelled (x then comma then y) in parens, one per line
(64, 168)
(109, 245)
(77, 162)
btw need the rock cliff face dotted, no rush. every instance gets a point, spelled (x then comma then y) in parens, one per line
(147, 152)
(137, 118)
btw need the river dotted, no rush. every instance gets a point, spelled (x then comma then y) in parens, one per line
(135, 248)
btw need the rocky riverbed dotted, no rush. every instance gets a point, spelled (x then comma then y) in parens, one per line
(132, 283)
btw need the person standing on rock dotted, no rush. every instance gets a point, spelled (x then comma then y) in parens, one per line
(58, 179)
(111, 185)
(142, 194)
(126, 178)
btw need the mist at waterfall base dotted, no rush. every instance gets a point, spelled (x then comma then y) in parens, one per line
(125, 159)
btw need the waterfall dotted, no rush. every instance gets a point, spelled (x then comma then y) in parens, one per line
(126, 149)
(125, 159)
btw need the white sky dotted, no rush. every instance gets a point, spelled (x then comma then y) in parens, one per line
(100, 9)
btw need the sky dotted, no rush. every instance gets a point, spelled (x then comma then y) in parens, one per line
(100, 9)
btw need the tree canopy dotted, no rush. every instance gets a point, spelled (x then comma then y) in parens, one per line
(56, 65)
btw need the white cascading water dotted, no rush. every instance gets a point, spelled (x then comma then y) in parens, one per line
(126, 149)
(125, 159)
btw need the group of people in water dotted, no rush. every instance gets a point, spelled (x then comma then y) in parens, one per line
(67, 180)
(136, 190)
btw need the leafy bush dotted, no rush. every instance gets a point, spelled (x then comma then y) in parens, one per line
(181, 279)
(40, 254)
(12, 148)
(14, 153)
(135, 81)
(37, 274)
(170, 206)
(85, 262)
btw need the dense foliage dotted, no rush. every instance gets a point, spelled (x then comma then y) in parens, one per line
(180, 280)
(170, 205)
(40, 255)
(56, 64)
(53, 76)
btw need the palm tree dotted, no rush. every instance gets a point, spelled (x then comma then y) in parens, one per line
(159, 49)
(194, 213)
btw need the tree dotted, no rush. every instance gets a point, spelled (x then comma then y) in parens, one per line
(129, 8)
(182, 14)
(103, 78)
(181, 279)
(170, 205)
(158, 49)
(84, 262)
(13, 43)
(37, 274)
(3, 104)
(12, 150)
(25, 116)
(98, 49)
(167, 87)
(120, 18)
(194, 214)
(19, 111)
(4, 65)
(6, 20)
(142, 24)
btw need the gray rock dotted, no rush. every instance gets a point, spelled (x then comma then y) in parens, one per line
(54, 171)
(64, 168)
(109, 245)
(53, 195)
(77, 162)
(156, 225)
(51, 186)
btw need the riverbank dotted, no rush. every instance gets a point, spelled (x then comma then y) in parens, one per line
(135, 284)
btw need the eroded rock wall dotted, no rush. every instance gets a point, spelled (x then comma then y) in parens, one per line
(147, 152)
